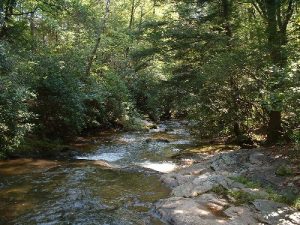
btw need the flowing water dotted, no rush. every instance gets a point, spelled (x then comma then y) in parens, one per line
(107, 183)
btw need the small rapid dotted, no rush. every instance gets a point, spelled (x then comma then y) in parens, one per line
(152, 149)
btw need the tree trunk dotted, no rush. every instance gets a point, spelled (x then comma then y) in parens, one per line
(226, 14)
(131, 22)
(274, 127)
(274, 43)
(91, 58)
(32, 31)
(227, 8)
(275, 49)
(141, 17)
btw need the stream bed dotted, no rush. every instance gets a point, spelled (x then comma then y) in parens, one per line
(109, 182)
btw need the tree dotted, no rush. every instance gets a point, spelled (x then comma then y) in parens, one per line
(277, 15)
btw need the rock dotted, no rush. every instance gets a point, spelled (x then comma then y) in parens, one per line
(295, 217)
(223, 162)
(194, 186)
(270, 212)
(204, 210)
(102, 163)
(240, 215)
(258, 193)
(199, 185)
(196, 169)
(202, 184)
(149, 140)
(184, 190)
(170, 181)
(187, 211)
(174, 180)
(194, 203)
(153, 126)
(258, 158)
(213, 202)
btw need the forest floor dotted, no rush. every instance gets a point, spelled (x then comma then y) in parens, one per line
(247, 186)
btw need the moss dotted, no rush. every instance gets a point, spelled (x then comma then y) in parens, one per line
(219, 190)
(248, 183)
(284, 171)
(241, 197)
(288, 198)
(296, 203)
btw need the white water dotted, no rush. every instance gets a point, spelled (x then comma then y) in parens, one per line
(164, 167)
(109, 157)
(144, 149)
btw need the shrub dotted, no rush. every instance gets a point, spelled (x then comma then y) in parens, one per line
(14, 115)
(59, 104)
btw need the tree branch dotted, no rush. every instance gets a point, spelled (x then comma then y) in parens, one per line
(259, 10)
(23, 13)
(289, 13)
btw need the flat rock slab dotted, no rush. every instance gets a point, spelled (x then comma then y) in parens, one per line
(204, 210)
(188, 211)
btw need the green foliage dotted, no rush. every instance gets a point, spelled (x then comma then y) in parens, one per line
(15, 98)
(59, 98)
(15, 118)
(210, 61)
(287, 197)
(150, 93)
(248, 183)
(220, 190)
(284, 171)
(240, 197)
(297, 203)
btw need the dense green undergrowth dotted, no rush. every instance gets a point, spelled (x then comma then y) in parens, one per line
(71, 66)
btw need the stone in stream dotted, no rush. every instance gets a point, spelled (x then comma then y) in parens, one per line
(149, 140)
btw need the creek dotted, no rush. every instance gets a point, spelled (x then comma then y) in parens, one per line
(112, 181)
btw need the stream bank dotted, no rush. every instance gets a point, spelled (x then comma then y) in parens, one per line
(240, 187)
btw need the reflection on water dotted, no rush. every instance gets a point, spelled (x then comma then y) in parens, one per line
(72, 194)
(91, 191)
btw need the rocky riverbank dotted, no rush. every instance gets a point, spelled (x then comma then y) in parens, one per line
(236, 188)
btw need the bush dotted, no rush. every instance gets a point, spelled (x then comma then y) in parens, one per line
(59, 104)
(14, 115)
(108, 102)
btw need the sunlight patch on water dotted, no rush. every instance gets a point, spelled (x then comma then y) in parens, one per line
(110, 157)
(164, 167)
